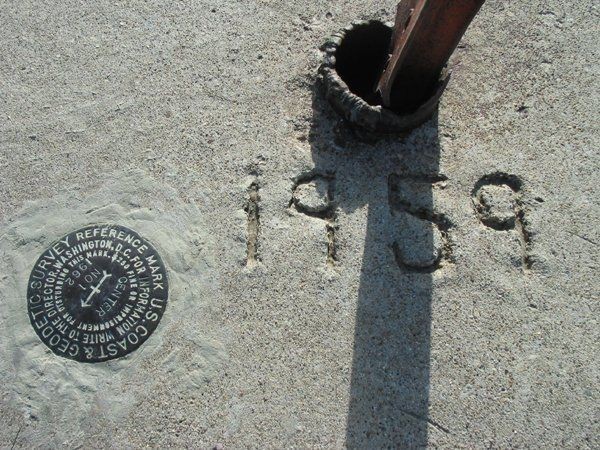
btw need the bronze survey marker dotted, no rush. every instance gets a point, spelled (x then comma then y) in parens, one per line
(97, 293)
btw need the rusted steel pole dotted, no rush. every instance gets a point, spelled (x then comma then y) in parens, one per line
(425, 35)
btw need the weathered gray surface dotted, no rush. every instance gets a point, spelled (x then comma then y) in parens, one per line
(496, 345)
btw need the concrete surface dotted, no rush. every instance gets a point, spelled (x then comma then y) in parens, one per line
(390, 300)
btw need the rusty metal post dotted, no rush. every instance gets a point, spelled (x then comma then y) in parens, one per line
(425, 35)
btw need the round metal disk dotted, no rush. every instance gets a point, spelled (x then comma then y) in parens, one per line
(97, 293)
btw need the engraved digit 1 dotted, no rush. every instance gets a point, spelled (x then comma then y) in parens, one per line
(253, 212)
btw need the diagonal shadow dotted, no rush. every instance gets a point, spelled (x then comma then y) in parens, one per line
(389, 389)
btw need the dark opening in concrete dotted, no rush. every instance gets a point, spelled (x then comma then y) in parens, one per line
(354, 59)
(361, 58)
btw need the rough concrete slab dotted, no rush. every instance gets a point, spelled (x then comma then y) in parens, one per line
(195, 123)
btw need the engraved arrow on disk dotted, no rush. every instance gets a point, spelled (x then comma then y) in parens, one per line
(95, 290)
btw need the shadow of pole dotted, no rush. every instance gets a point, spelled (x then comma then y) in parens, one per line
(389, 390)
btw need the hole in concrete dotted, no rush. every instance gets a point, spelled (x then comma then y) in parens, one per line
(354, 60)
(361, 58)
